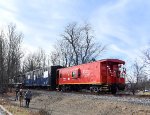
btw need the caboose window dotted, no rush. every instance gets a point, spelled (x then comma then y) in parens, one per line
(73, 74)
(76, 73)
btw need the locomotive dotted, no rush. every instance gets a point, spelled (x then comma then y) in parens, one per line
(103, 75)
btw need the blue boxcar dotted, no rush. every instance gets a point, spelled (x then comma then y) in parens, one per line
(45, 77)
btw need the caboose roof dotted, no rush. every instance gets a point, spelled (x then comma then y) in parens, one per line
(103, 60)
(113, 60)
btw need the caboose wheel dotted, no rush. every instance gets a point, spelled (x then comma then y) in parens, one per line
(113, 89)
(94, 89)
(63, 88)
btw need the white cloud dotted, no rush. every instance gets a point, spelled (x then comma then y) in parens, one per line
(107, 21)
(120, 25)
(8, 5)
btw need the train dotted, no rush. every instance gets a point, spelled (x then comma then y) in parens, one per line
(107, 75)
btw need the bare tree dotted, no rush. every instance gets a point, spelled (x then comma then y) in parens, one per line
(132, 85)
(35, 60)
(10, 54)
(55, 57)
(147, 56)
(14, 53)
(137, 76)
(77, 45)
(3, 77)
(62, 54)
(146, 59)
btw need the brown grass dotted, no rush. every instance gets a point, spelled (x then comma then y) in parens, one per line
(44, 112)
(17, 110)
(14, 109)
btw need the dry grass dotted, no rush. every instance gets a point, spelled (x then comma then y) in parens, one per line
(14, 109)
(146, 93)
(43, 112)
(143, 93)
(17, 110)
(23, 111)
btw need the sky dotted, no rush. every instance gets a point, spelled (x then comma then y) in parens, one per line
(122, 25)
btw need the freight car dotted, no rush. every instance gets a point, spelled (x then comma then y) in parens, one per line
(103, 75)
(41, 78)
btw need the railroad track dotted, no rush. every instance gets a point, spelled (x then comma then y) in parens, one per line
(134, 99)
(120, 97)
(118, 94)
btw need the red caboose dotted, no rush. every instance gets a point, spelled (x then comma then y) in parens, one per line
(103, 75)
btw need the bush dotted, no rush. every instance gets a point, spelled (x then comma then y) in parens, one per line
(44, 112)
